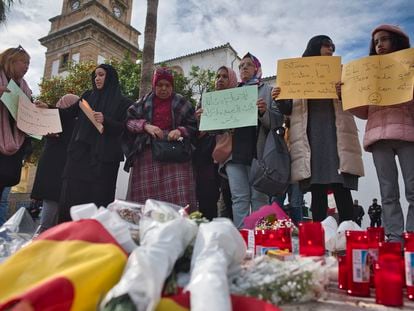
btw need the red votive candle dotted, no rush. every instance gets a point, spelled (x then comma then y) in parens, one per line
(311, 239)
(409, 263)
(389, 280)
(375, 235)
(357, 263)
(284, 238)
(342, 272)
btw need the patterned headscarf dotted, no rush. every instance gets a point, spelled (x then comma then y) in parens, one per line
(162, 73)
(258, 70)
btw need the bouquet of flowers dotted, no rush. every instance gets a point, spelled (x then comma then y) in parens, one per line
(281, 282)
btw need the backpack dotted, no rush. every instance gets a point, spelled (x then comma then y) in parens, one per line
(271, 173)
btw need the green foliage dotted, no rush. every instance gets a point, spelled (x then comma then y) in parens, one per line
(78, 80)
(198, 82)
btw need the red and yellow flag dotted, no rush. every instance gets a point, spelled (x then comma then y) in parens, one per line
(69, 267)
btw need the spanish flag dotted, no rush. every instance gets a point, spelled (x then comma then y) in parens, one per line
(181, 302)
(69, 267)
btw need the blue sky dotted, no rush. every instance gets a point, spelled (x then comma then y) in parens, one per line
(270, 29)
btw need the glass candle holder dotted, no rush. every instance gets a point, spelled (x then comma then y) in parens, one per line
(311, 239)
(342, 272)
(389, 280)
(357, 263)
(375, 235)
(283, 238)
(409, 263)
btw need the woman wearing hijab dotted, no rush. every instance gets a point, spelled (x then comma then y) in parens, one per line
(161, 114)
(93, 158)
(14, 144)
(248, 143)
(324, 146)
(208, 180)
(48, 180)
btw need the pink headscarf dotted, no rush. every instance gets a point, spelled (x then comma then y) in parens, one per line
(232, 76)
(67, 100)
(11, 139)
(390, 28)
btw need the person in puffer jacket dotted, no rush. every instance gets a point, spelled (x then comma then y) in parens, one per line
(389, 132)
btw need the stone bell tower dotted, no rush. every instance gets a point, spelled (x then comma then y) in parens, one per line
(89, 30)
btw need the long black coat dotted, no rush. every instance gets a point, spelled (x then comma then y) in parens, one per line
(48, 181)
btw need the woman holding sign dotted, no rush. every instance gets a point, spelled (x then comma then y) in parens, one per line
(389, 131)
(324, 146)
(160, 118)
(248, 143)
(93, 156)
(14, 144)
(208, 180)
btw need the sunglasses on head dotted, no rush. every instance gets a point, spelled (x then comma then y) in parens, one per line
(19, 48)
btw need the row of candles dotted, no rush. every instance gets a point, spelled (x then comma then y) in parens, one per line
(369, 261)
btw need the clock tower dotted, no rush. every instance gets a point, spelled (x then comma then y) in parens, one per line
(89, 30)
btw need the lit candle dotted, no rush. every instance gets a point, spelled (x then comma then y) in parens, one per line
(357, 263)
(311, 239)
(375, 235)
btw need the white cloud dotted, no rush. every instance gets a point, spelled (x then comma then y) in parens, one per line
(270, 29)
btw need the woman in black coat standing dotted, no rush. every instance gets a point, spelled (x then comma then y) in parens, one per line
(93, 158)
(48, 180)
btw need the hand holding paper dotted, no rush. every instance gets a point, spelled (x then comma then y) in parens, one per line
(90, 114)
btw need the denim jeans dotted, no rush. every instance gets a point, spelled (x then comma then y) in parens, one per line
(296, 202)
(4, 204)
(383, 153)
(49, 215)
(244, 197)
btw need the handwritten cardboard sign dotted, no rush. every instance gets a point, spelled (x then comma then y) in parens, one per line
(308, 77)
(87, 110)
(231, 108)
(37, 121)
(381, 80)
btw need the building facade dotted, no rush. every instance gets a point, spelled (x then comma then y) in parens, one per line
(89, 30)
(210, 59)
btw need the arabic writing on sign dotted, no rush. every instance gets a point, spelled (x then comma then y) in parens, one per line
(379, 80)
(230, 108)
(308, 77)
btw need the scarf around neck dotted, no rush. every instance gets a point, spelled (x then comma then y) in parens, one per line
(11, 138)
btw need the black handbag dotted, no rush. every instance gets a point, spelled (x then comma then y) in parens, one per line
(271, 173)
(177, 151)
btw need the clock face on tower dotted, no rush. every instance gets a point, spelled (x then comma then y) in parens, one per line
(117, 11)
(75, 5)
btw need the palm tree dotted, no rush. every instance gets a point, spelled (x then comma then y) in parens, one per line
(4, 7)
(149, 47)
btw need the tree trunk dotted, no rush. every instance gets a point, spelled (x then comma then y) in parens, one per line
(149, 47)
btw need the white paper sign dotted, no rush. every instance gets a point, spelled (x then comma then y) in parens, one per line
(37, 121)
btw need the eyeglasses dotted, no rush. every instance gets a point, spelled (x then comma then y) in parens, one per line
(382, 39)
(247, 64)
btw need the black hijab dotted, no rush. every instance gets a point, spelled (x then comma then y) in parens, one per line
(314, 45)
(105, 100)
